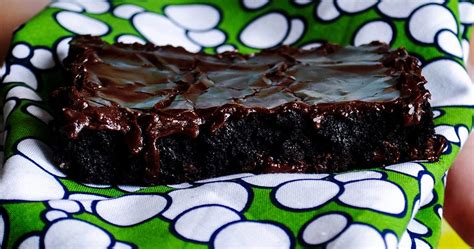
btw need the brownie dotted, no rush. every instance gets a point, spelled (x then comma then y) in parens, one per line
(141, 114)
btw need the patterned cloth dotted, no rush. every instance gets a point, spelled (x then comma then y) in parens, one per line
(377, 208)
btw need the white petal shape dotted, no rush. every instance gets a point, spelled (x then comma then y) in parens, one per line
(351, 6)
(67, 6)
(200, 223)
(8, 108)
(127, 10)
(324, 228)
(129, 188)
(428, 199)
(40, 113)
(30, 242)
(228, 194)
(254, 4)
(449, 43)
(19, 73)
(358, 236)
(35, 184)
(416, 227)
(68, 206)
(465, 50)
(408, 168)
(436, 113)
(426, 187)
(94, 6)
(286, 196)
(273, 180)
(453, 88)
(387, 199)
(86, 200)
(374, 31)
(296, 31)
(211, 38)
(466, 12)
(463, 134)
(439, 211)
(265, 31)
(391, 240)
(96, 185)
(402, 8)
(83, 196)
(42, 59)
(405, 241)
(194, 16)
(180, 185)
(358, 175)
(225, 178)
(225, 48)
(40, 153)
(416, 207)
(250, 234)
(81, 24)
(21, 51)
(130, 39)
(55, 214)
(22, 92)
(62, 49)
(448, 132)
(3, 228)
(69, 233)
(302, 2)
(421, 244)
(445, 149)
(445, 178)
(312, 45)
(121, 245)
(130, 210)
(167, 34)
(326, 10)
(425, 31)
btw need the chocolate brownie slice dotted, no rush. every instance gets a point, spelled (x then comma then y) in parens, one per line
(140, 114)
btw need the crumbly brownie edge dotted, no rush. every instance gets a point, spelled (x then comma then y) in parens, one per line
(259, 144)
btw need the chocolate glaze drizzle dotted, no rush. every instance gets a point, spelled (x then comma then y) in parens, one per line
(150, 92)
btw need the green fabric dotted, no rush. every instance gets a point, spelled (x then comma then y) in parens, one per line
(25, 217)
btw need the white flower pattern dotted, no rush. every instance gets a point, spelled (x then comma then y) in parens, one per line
(214, 211)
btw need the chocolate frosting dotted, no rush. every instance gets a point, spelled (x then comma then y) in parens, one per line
(150, 92)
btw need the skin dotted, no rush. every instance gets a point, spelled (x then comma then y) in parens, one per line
(459, 197)
(459, 200)
(15, 12)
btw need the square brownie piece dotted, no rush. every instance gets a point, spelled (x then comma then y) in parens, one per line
(140, 114)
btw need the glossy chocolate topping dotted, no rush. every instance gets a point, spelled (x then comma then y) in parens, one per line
(150, 92)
